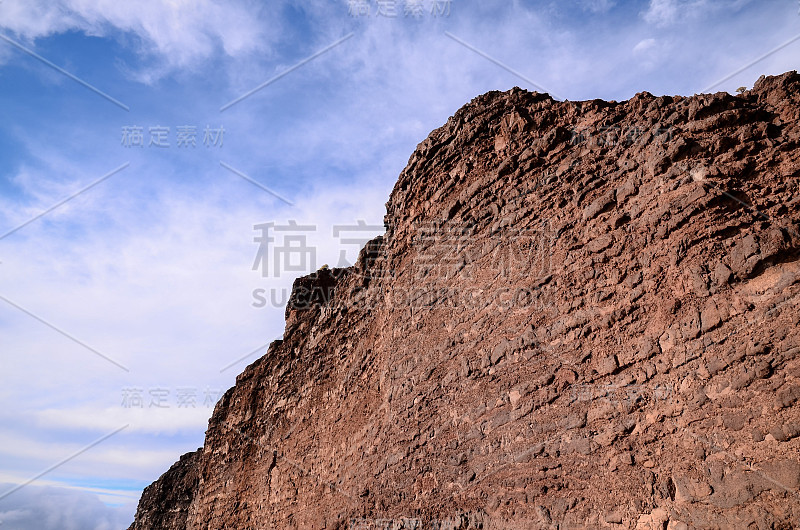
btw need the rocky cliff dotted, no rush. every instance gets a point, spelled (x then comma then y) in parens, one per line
(582, 315)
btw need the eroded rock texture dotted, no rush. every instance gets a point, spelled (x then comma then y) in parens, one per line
(582, 315)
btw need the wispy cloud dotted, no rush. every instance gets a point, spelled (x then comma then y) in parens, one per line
(668, 12)
(177, 34)
(54, 508)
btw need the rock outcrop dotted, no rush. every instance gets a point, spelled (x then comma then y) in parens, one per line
(582, 315)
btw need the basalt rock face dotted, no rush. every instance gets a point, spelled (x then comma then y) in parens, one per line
(582, 314)
(165, 503)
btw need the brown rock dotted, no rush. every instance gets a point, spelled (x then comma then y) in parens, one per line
(420, 382)
(710, 316)
(606, 365)
(735, 488)
(722, 274)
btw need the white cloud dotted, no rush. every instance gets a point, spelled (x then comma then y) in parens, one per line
(168, 420)
(52, 508)
(668, 12)
(663, 12)
(644, 46)
(650, 53)
(109, 495)
(119, 459)
(178, 33)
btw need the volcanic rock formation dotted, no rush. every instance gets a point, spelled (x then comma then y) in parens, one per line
(582, 315)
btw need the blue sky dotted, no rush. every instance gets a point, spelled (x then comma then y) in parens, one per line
(151, 268)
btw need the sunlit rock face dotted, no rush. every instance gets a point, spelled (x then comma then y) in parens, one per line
(582, 314)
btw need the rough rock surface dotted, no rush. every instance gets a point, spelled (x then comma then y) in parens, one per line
(165, 503)
(582, 315)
